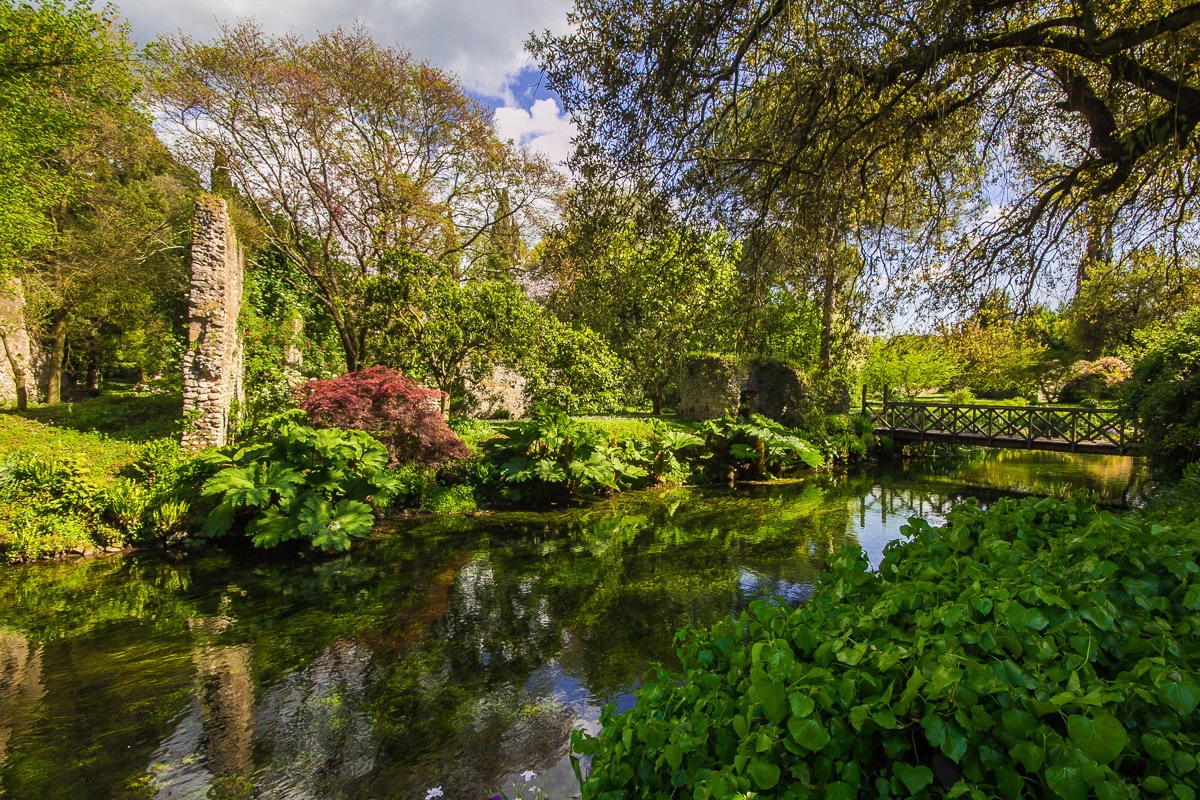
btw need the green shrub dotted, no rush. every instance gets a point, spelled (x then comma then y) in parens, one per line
(300, 483)
(669, 454)
(757, 447)
(845, 438)
(474, 432)
(456, 499)
(1163, 396)
(960, 396)
(32, 535)
(559, 456)
(52, 485)
(1038, 649)
(50, 506)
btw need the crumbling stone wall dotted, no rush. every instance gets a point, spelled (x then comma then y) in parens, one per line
(778, 391)
(212, 365)
(502, 394)
(709, 386)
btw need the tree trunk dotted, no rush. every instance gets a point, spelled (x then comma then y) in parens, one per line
(58, 349)
(656, 398)
(20, 374)
(93, 365)
(351, 357)
(828, 307)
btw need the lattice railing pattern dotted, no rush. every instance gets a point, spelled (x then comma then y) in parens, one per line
(1032, 424)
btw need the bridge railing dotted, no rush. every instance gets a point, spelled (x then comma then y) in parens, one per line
(1006, 425)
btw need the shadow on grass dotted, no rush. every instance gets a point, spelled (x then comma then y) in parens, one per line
(117, 413)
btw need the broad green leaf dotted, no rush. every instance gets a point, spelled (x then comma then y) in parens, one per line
(802, 705)
(840, 790)
(1102, 737)
(764, 773)
(220, 519)
(1018, 723)
(808, 733)
(1067, 782)
(1180, 694)
(773, 697)
(673, 755)
(914, 778)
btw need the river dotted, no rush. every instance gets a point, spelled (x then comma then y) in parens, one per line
(452, 652)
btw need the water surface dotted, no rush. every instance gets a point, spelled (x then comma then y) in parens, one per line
(454, 652)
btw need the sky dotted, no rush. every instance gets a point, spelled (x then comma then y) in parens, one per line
(482, 41)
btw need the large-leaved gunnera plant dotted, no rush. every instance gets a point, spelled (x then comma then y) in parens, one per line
(321, 485)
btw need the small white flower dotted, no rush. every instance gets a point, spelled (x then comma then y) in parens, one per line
(434, 792)
(528, 775)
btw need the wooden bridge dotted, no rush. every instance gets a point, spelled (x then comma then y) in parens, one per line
(1074, 430)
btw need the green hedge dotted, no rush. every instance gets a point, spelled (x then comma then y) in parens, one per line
(1042, 648)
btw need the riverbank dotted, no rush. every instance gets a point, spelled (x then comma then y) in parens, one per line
(105, 474)
(1045, 648)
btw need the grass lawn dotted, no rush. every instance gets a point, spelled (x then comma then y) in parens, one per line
(104, 431)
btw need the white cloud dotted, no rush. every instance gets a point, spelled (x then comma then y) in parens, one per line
(481, 40)
(542, 128)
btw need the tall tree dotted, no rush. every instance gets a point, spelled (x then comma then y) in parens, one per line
(653, 295)
(59, 63)
(114, 260)
(350, 151)
(1004, 123)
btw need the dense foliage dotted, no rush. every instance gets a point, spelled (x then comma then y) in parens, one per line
(323, 486)
(1041, 648)
(755, 448)
(395, 409)
(557, 451)
(1163, 395)
(875, 120)
(59, 64)
(909, 365)
(356, 158)
(55, 505)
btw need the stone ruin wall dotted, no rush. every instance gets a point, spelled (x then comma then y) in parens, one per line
(212, 364)
(501, 394)
(712, 385)
(709, 386)
(779, 392)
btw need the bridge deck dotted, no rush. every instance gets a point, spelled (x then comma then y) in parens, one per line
(1078, 430)
(1009, 442)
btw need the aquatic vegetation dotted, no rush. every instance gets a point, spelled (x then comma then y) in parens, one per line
(1041, 648)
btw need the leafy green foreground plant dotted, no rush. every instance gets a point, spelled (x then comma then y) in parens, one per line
(756, 447)
(555, 450)
(1041, 648)
(319, 485)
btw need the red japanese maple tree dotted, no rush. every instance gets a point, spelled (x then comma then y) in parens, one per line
(395, 409)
